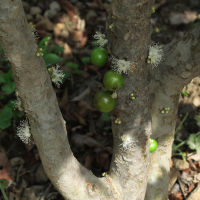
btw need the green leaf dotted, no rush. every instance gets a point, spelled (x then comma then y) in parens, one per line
(6, 113)
(5, 124)
(58, 49)
(105, 117)
(45, 51)
(17, 114)
(197, 142)
(51, 59)
(197, 118)
(75, 66)
(43, 42)
(6, 77)
(194, 141)
(2, 96)
(3, 183)
(66, 73)
(85, 59)
(184, 93)
(2, 78)
(71, 64)
(8, 87)
(10, 75)
(10, 104)
(5, 117)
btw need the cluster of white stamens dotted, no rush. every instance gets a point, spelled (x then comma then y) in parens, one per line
(155, 55)
(128, 143)
(101, 39)
(23, 131)
(121, 66)
(56, 75)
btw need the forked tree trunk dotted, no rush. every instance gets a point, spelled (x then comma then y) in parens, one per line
(154, 89)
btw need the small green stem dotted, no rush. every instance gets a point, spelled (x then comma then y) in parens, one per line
(179, 145)
(181, 124)
(4, 194)
(182, 143)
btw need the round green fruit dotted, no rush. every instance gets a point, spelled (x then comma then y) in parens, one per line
(153, 145)
(113, 81)
(104, 102)
(99, 56)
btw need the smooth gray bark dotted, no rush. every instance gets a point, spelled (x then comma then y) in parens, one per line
(129, 39)
(180, 66)
(35, 89)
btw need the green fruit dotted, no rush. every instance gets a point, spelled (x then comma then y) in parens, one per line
(99, 56)
(113, 81)
(153, 145)
(104, 102)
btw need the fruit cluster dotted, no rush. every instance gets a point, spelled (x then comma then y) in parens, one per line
(113, 80)
(105, 101)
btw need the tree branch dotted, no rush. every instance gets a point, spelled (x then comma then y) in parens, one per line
(35, 89)
(181, 61)
(180, 66)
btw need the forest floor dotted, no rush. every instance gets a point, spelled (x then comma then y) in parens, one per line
(70, 27)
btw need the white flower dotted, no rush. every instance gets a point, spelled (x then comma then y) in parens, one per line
(122, 66)
(57, 75)
(128, 142)
(150, 140)
(101, 39)
(18, 104)
(155, 55)
(23, 131)
(114, 95)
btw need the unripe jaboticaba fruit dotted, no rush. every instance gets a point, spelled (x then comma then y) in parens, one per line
(153, 145)
(104, 102)
(99, 56)
(113, 81)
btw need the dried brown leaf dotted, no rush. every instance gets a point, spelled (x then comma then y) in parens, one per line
(195, 157)
(93, 68)
(101, 158)
(84, 108)
(45, 24)
(69, 8)
(79, 118)
(176, 196)
(43, 33)
(6, 171)
(88, 162)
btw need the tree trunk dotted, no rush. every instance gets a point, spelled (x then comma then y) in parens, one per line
(38, 98)
(129, 39)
